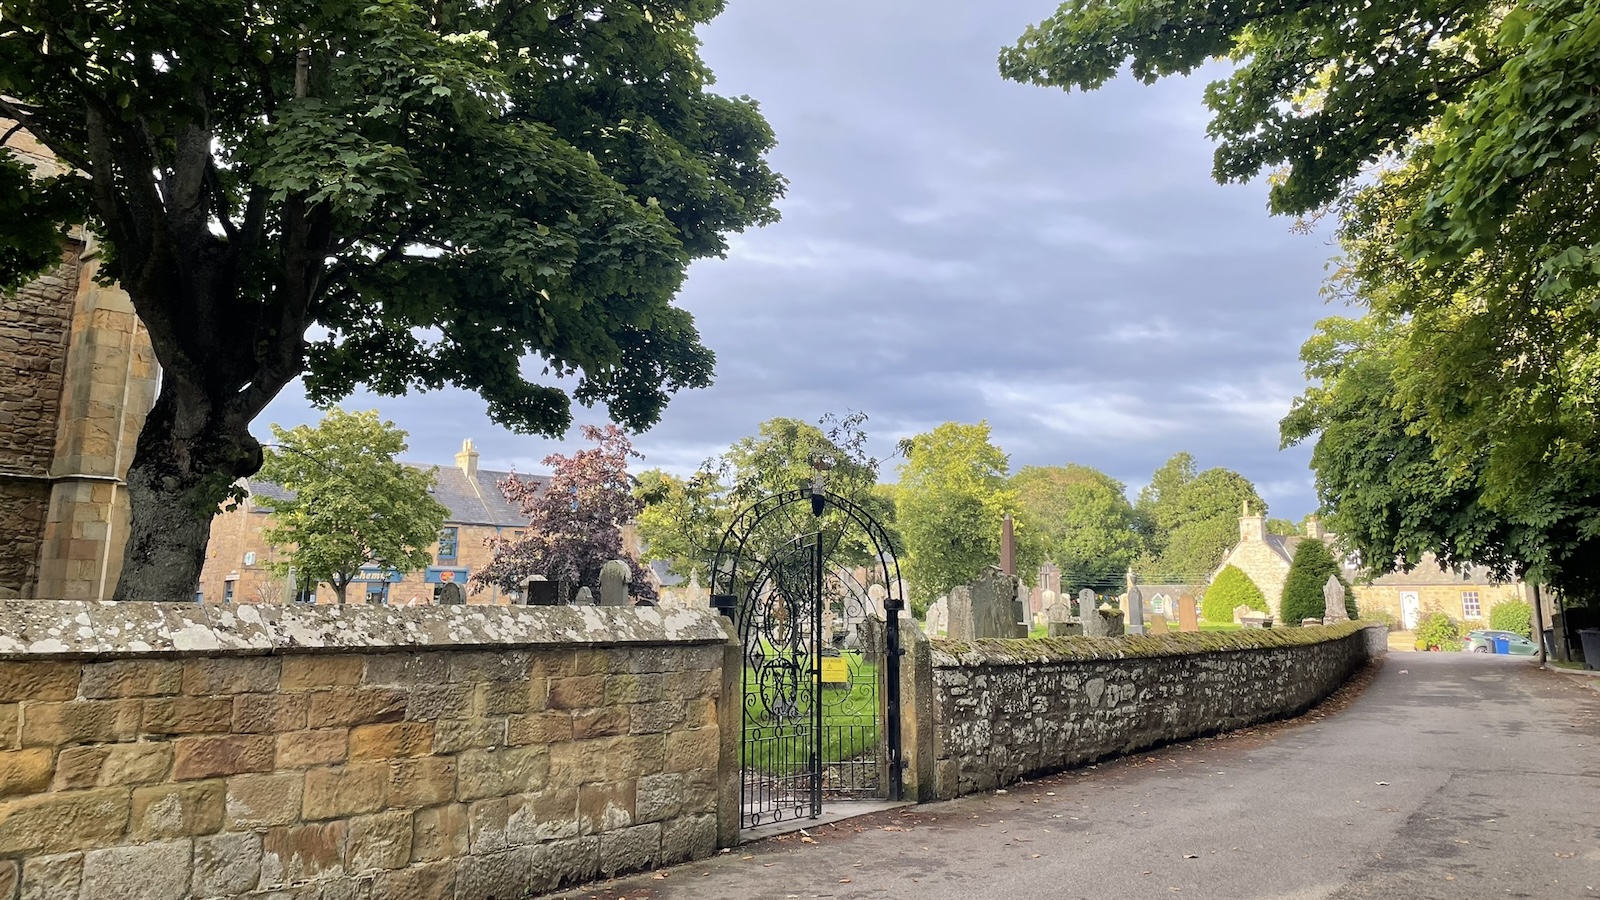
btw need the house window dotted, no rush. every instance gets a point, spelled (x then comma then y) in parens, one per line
(448, 538)
(1469, 605)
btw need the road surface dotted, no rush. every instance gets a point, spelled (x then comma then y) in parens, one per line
(1448, 775)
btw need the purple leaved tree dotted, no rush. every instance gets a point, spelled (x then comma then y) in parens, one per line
(575, 520)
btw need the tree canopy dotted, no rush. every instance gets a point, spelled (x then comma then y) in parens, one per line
(1456, 144)
(1083, 522)
(951, 500)
(1231, 589)
(684, 520)
(1308, 575)
(1191, 519)
(350, 505)
(398, 195)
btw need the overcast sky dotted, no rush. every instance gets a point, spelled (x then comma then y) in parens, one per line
(959, 247)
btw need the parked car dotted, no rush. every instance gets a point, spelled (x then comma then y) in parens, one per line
(1483, 642)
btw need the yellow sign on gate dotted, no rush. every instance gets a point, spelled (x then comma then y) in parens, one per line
(835, 670)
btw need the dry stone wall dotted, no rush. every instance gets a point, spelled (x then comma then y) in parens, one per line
(180, 752)
(1008, 709)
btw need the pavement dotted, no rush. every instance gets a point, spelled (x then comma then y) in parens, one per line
(1433, 775)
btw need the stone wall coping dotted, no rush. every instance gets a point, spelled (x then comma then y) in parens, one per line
(948, 654)
(67, 629)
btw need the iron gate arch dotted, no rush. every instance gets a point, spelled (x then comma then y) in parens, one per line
(802, 740)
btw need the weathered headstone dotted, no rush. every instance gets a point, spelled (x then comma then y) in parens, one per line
(938, 618)
(985, 608)
(870, 638)
(538, 591)
(876, 595)
(1019, 607)
(1188, 615)
(1135, 607)
(1008, 546)
(1105, 621)
(1086, 602)
(1256, 619)
(1241, 611)
(1158, 624)
(1333, 602)
(614, 578)
(1058, 617)
(1307, 622)
(585, 597)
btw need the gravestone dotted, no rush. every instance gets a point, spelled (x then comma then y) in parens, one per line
(1106, 621)
(1086, 602)
(1256, 620)
(870, 638)
(1019, 608)
(585, 597)
(985, 608)
(1333, 602)
(1135, 607)
(1058, 618)
(1188, 615)
(1241, 611)
(541, 592)
(937, 619)
(1158, 624)
(1306, 623)
(614, 578)
(876, 595)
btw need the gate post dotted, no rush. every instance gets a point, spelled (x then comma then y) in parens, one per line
(891, 663)
(916, 707)
(730, 725)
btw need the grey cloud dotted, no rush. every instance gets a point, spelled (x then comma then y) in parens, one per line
(956, 247)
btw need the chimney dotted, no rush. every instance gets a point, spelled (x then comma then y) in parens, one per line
(1251, 528)
(467, 459)
(1314, 528)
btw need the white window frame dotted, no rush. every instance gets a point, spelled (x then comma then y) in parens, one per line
(1475, 611)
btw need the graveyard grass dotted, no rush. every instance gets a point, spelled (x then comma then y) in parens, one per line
(849, 722)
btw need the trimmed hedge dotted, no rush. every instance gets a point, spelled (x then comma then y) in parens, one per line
(1512, 615)
(1231, 588)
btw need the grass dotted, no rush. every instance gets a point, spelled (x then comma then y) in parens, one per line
(849, 724)
(1221, 626)
(1566, 664)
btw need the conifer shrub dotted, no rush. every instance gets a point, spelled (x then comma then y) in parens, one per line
(1302, 591)
(1231, 588)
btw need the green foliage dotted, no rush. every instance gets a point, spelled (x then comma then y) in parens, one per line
(1512, 615)
(1082, 521)
(352, 504)
(950, 501)
(38, 213)
(1401, 477)
(400, 195)
(1438, 631)
(1191, 519)
(1285, 527)
(1382, 616)
(1308, 574)
(684, 520)
(1231, 589)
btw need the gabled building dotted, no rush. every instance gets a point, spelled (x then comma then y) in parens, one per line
(237, 568)
(1466, 596)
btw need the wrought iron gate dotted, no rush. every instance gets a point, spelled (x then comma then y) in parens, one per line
(821, 704)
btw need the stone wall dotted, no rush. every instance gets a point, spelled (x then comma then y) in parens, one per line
(181, 752)
(1009, 709)
(35, 322)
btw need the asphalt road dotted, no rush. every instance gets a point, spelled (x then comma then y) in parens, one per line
(1445, 776)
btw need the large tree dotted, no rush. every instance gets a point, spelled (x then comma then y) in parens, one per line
(1083, 520)
(395, 194)
(952, 497)
(684, 520)
(350, 504)
(1192, 519)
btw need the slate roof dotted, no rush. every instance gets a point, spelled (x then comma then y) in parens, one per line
(1284, 545)
(1428, 573)
(469, 501)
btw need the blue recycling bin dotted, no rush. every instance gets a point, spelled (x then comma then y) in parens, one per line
(1502, 645)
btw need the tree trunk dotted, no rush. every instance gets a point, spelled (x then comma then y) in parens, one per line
(190, 453)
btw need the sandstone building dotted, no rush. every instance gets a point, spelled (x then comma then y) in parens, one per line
(238, 559)
(1465, 596)
(77, 377)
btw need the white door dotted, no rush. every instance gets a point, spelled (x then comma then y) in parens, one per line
(1410, 609)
